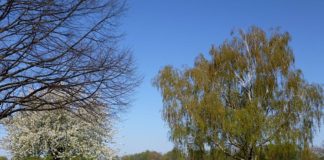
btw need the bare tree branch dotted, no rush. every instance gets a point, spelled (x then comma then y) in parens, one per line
(69, 48)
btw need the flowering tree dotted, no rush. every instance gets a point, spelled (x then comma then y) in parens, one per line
(60, 134)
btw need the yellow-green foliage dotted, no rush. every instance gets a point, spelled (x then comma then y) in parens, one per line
(247, 96)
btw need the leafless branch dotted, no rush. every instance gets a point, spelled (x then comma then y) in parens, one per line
(68, 48)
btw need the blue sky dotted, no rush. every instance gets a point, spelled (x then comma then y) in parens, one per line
(174, 32)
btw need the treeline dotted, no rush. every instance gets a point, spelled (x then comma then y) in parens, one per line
(273, 153)
(153, 155)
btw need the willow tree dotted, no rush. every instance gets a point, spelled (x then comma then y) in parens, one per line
(245, 99)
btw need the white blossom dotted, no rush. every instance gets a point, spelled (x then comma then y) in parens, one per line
(59, 133)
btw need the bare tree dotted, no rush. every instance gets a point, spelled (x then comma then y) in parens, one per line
(68, 48)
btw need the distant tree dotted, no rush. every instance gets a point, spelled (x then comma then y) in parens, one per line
(3, 158)
(66, 47)
(245, 98)
(174, 154)
(147, 155)
(32, 158)
(60, 134)
(116, 158)
(319, 151)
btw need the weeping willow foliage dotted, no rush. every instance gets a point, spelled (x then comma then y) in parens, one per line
(242, 101)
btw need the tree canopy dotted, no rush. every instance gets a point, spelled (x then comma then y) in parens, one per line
(65, 47)
(243, 100)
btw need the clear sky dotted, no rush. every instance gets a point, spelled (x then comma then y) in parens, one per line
(174, 32)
